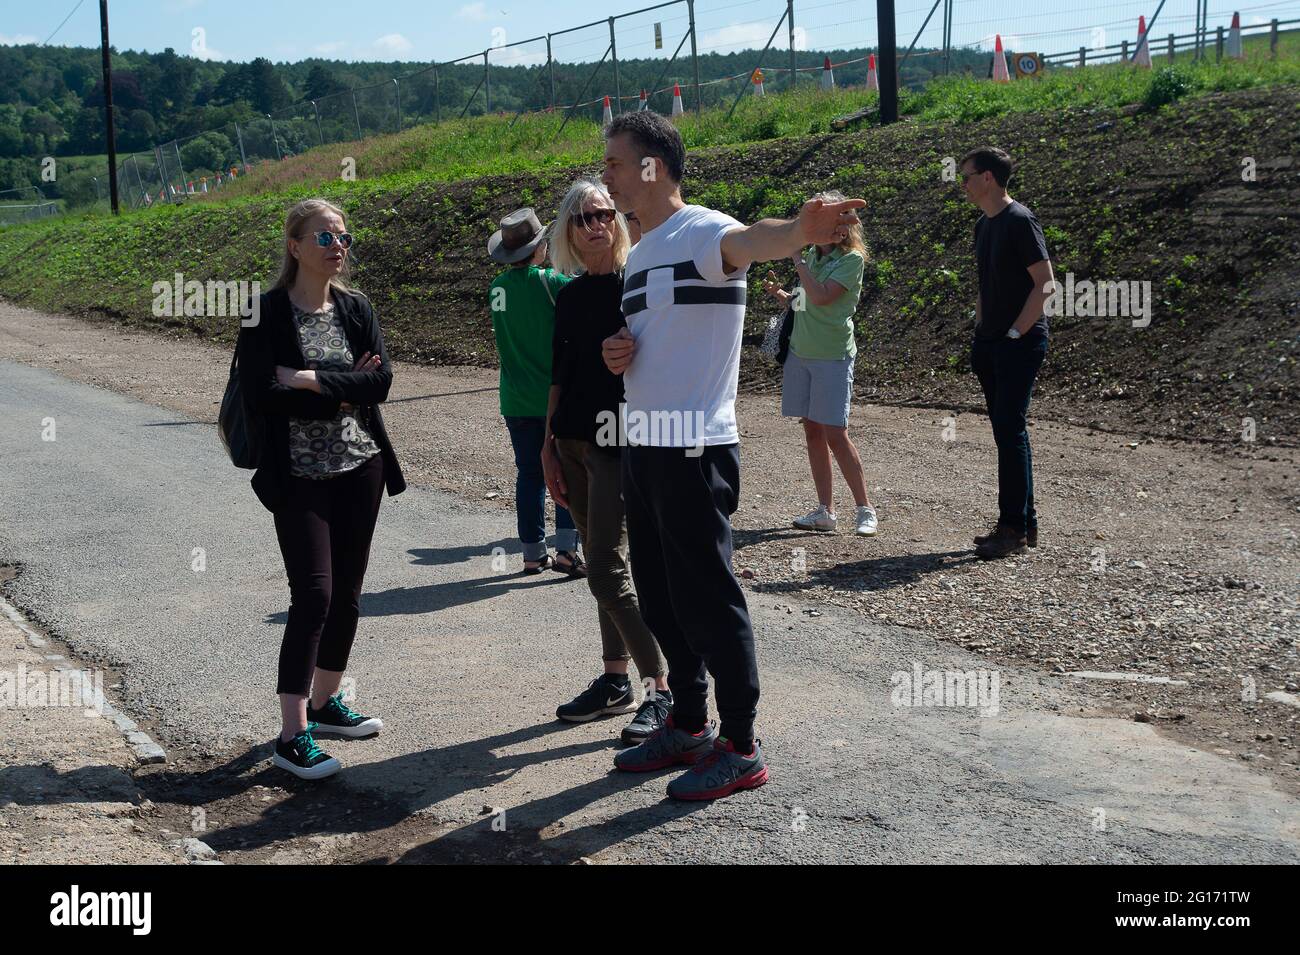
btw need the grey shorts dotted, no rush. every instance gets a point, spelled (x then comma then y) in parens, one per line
(817, 389)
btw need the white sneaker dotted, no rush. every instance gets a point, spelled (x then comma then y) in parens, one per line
(866, 521)
(818, 520)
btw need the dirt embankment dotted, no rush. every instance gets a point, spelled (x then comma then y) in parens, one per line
(1164, 198)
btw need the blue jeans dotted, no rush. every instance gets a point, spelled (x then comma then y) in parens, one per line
(526, 436)
(1006, 368)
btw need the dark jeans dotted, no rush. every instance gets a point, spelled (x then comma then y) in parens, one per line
(325, 529)
(526, 436)
(679, 535)
(1006, 369)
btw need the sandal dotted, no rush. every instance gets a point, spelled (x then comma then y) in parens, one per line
(575, 567)
(542, 565)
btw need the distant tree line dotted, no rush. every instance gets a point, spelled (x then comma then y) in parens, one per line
(51, 100)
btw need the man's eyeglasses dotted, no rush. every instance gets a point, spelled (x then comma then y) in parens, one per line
(326, 238)
(586, 220)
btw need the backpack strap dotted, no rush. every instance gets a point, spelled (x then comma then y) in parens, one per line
(546, 285)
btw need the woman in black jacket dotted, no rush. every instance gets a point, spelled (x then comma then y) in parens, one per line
(312, 365)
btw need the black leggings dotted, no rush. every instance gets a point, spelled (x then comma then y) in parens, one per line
(325, 530)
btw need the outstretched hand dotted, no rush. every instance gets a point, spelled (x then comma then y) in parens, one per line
(827, 223)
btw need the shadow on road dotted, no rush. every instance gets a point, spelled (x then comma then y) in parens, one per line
(373, 797)
(875, 573)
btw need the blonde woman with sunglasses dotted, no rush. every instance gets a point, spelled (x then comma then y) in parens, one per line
(315, 370)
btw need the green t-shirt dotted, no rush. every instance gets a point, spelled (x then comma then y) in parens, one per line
(826, 331)
(523, 321)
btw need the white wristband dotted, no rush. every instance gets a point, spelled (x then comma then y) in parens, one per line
(1012, 333)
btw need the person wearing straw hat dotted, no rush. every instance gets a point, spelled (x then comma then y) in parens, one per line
(522, 302)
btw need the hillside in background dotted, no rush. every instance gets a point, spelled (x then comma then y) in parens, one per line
(1127, 194)
(51, 98)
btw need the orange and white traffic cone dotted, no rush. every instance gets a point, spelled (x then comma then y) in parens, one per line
(1233, 48)
(644, 105)
(607, 115)
(677, 100)
(828, 75)
(758, 83)
(1142, 55)
(872, 82)
(999, 62)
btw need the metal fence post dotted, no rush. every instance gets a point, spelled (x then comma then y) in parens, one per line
(162, 172)
(319, 134)
(1171, 48)
(274, 138)
(947, 35)
(1123, 51)
(1083, 56)
(243, 160)
(695, 55)
(789, 9)
(397, 98)
(356, 114)
(550, 65)
(437, 97)
(1272, 39)
(613, 51)
(1218, 44)
(180, 165)
(487, 84)
(138, 180)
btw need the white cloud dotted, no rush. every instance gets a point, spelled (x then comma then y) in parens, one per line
(330, 48)
(737, 36)
(392, 44)
(516, 56)
(476, 12)
(18, 39)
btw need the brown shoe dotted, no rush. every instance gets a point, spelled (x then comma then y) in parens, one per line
(1031, 536)
(1002, 543)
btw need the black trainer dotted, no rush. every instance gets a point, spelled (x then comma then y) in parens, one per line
(649, 717)
(608, 693)
(336, 718)
(302, 757)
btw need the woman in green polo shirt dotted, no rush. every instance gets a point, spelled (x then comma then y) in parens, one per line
(817, 379)
(522, 302)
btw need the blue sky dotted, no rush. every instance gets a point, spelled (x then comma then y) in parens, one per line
(421, 30)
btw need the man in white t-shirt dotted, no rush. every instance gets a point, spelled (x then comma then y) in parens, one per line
(684, 304)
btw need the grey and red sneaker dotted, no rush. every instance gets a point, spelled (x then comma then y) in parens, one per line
(721, 773)
(668, 746)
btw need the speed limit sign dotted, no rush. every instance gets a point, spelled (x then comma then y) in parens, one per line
(1028, 65)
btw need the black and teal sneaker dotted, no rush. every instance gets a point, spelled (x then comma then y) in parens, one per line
(336, 718)
(608, 693)
(302, 757)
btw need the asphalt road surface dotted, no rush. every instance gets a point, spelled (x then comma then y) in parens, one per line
(466, 663)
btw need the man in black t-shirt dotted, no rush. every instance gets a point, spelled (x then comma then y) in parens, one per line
(1015, 279)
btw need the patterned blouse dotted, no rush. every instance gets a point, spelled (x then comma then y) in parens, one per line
(325, 449)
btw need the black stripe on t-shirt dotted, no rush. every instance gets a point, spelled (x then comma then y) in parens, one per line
(681, 271)
(691, 295)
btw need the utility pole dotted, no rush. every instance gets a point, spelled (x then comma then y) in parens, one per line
(108, 106)
(888, 76)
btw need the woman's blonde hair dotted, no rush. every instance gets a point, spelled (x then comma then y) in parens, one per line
(299, 215)
(853, 242)
(563, 255)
